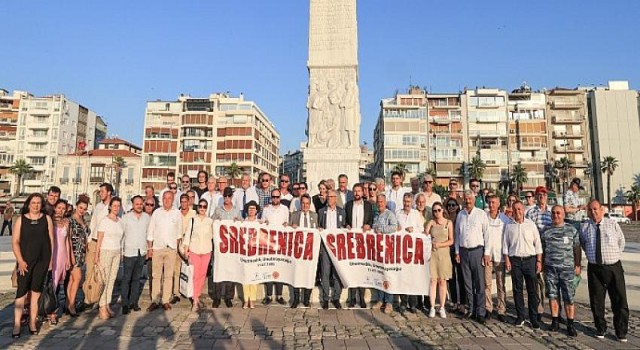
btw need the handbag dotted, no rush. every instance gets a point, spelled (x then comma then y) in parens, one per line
(186, 280)
(181, 252)
(14, 277)
(93, 286)
(48, 302)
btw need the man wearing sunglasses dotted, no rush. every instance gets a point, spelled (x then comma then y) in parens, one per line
(263, 189)
(454, 193)
(295, 202)
(227, 211)
(480, 200)
(330, 217)
(427, 189)
(285, 195)
(278, 215)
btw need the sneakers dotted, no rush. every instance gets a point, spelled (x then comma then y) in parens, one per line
(432, 313)
(443, 314)
(600, 334)
(519, 322)
(622, 339)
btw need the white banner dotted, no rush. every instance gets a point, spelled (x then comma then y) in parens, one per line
(256, 253)
(396, 263)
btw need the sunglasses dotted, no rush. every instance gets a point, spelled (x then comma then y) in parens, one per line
(149, 204)
(428, 182)
(437, 210)
(275, 196)
(452, 205)
(228, 196)
(265, 180)
(372, 188)
(303, 188)
(287, 181)
(173, 188)
(186, 182)
(202, 206)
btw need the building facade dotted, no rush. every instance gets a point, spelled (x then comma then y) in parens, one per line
(210, 134)
(614, 123)
(48, 127)
(9, 111)
(293, 166)
(82, 172)
(447, 132)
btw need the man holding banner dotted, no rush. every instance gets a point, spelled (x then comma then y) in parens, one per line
(274, 214)
(304, 218)
(359, 216)
(384, 223)
(410, 220)
(330, 217)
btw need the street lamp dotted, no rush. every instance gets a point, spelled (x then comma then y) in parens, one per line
(435, 155)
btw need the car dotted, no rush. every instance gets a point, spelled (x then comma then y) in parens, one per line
(619, 218)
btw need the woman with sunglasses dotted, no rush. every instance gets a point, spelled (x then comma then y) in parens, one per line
(250, 291)
(372, 198)
(457, 295)
(441, 231)
(197, 246)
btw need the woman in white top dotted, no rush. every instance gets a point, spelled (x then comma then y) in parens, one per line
(110, 232)
(250, 291)
(197, 247)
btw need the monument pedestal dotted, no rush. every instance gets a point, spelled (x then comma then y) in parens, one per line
(328, 163)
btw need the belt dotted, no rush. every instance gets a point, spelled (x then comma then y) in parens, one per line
(94, 239)
(517, 258)
(474, 248)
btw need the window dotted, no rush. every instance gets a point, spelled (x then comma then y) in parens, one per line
(97, 172)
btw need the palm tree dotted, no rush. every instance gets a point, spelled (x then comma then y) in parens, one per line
(633, 196)
(234, 171)
(519, 176)
(476, 167)
(118, 163)
(608, 166)
(563, 165)
(401, 168)
(20, 168)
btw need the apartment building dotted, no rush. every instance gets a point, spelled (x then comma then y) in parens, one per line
(293, 166)
(400, 135)
(614, 122)
(210, 134)
(48, 127)
(83, 171)
(487, 124)
(567, 113)
(9, 110)
(446, 133)
(528, 134)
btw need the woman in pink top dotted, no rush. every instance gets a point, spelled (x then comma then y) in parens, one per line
(61, 247)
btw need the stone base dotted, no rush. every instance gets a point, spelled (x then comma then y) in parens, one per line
(322, 164)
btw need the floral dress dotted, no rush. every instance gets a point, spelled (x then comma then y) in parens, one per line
(79, 236)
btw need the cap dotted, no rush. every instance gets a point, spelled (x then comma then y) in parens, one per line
(228, 191)
(541, 189)
(427, 178)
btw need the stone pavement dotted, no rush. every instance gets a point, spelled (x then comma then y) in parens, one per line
(277, 327)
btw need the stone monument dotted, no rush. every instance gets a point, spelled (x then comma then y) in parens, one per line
(333, 124)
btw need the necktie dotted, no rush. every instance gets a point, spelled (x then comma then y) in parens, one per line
(244, 203)
(598, 245)
(306, 220)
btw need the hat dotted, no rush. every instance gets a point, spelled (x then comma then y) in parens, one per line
(252, 204)
(228, 192)
(541, 189)
(427, 178)
(578, 182)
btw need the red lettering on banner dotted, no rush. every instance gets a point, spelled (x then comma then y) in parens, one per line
(398, 244)
(298, 250)
(224, 244)
(389, 251)
(340, 246)
(360, 248)
(233, 237)
(282, 242)
(272, 242)
(379, 251)
(419, 256)
(350, 254)
(371, 247)
(407, 244)
(253, 241)
(308, 248)
(330, 244)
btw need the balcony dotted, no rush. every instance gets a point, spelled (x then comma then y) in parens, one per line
(568, 134)
(445, 119)
(77, 180)
(568, 149)
(96, 179)
(532, 146)
(568, 119)
(580, 164)
(567, 104)
(488, 119)
(492, 162)
(488, 133)
(459, 159)
(128, 182)
(64, 180)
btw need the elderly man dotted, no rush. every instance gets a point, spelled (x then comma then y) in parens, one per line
(212, 196)
(471, 228)
(307, 219)
(187, 214)
(541, 216)
(410, 220)
(522, 251)
(285, 195)
(603, 243)
(493, 257)
(330, 217)
(278, 215)
(224, 212)
(385, 223)
(245, 194)
(163, 238)
(562, 257)
(263, 189)
(344, 194)
(427, 190)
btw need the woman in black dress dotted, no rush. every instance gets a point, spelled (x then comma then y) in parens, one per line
(33, 248)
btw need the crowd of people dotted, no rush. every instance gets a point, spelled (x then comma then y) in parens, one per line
(474, 238)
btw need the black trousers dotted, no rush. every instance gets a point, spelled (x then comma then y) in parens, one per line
(306, 295)
(457, 295)
(355, 295)
(269, 286)
(130, 285)
(523, 270)
(410, 301)
(603, 279)
(223, 290)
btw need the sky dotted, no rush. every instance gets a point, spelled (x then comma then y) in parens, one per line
(114, 56)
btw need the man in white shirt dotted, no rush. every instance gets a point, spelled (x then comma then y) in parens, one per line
(427, 189)
(329, 218)
(171, 179)
(163, 239)
(522, 250)
(471, 228)
(396, 192)
(344, 194)
(213, 197)
(285, 195)
(409, 220)
(135, 224)
(275, 214)
(295, 202)
(245, 194)
(100, 211)
(493, 257)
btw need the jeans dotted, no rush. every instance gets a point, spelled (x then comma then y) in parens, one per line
(385, 298)
(130, 287)
(6, 223)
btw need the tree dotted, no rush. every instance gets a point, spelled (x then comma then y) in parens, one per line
(20, 168)
(633, 196)
(608, 166)
(118, 163)
(563, 165)
(476, 167)
(234, 171)
(519, 176)
(401, 168)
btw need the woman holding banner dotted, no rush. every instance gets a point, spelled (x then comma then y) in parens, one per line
(197, 245)
(441, 230)
(250, 291)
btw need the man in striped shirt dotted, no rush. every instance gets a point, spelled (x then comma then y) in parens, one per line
(541, 216)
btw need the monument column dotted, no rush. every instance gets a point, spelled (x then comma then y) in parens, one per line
(333, 124)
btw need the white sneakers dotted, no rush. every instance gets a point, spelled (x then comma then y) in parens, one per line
(443, 313)
(432, 312)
